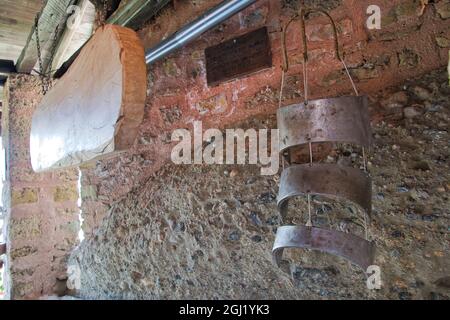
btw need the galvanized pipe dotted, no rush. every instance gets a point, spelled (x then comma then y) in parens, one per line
(209, 20)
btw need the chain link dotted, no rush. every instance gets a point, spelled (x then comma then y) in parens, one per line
(105, 12)
(46, 76)
(44, 80)
(53, 50)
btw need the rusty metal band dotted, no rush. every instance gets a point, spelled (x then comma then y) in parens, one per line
(342, 119)
(327, 180)
(353, 248)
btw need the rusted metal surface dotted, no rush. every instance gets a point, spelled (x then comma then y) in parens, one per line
(238, 57)
(343, 119)
(325, 180)
(353, 248)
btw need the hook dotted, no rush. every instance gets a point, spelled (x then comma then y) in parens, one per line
(303, 13)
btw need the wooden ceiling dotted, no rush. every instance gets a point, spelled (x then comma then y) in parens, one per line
(16, 20)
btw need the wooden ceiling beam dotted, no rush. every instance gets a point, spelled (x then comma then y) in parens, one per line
(111, 4)
(133, 13)
(130, 13)
(52, 15)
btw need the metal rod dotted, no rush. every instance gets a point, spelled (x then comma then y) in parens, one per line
(309, 223)
(209, 20)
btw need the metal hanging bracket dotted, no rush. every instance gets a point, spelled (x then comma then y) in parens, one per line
(341, 120)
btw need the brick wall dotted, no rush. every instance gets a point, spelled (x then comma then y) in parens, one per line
(412, 42)
(41, 209)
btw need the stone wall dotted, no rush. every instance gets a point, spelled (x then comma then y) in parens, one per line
(413, 40)
(206, 232)
(41, 209)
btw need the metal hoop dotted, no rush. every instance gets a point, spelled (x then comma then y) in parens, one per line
(326, 180)
(353, 248)
(343, 119)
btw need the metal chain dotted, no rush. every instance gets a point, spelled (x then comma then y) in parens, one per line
(309, 223)
(366, 227)
(53, 50)
(45, 76)
(44, 82)
(280, 101)
(104, 12)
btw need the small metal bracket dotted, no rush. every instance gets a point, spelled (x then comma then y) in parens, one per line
(327, 180)
(342, 119)
(353, 248)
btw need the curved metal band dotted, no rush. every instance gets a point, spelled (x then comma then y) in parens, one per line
(327, 180)
(353, 248)
(343, 119)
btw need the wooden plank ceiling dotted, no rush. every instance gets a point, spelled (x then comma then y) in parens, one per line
(17, 32)
(16, 20)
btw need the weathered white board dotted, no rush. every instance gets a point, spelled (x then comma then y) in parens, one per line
(96, 108)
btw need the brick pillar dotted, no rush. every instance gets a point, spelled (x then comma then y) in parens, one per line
(41, 209)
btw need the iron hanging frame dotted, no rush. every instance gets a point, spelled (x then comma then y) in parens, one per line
(357, 250)
(336, 108)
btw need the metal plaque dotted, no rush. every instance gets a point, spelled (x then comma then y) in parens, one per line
(353, 248)
(238, 57)
(343, 119)
(327, 180)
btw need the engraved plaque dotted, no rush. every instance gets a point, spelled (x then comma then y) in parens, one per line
(238, 57)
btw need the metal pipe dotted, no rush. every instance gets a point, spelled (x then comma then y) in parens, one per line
(209, 20)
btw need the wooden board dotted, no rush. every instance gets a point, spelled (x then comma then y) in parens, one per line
(53, 12)
(238, 57)
(16, 21)
(72, 39)
(96, 108)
